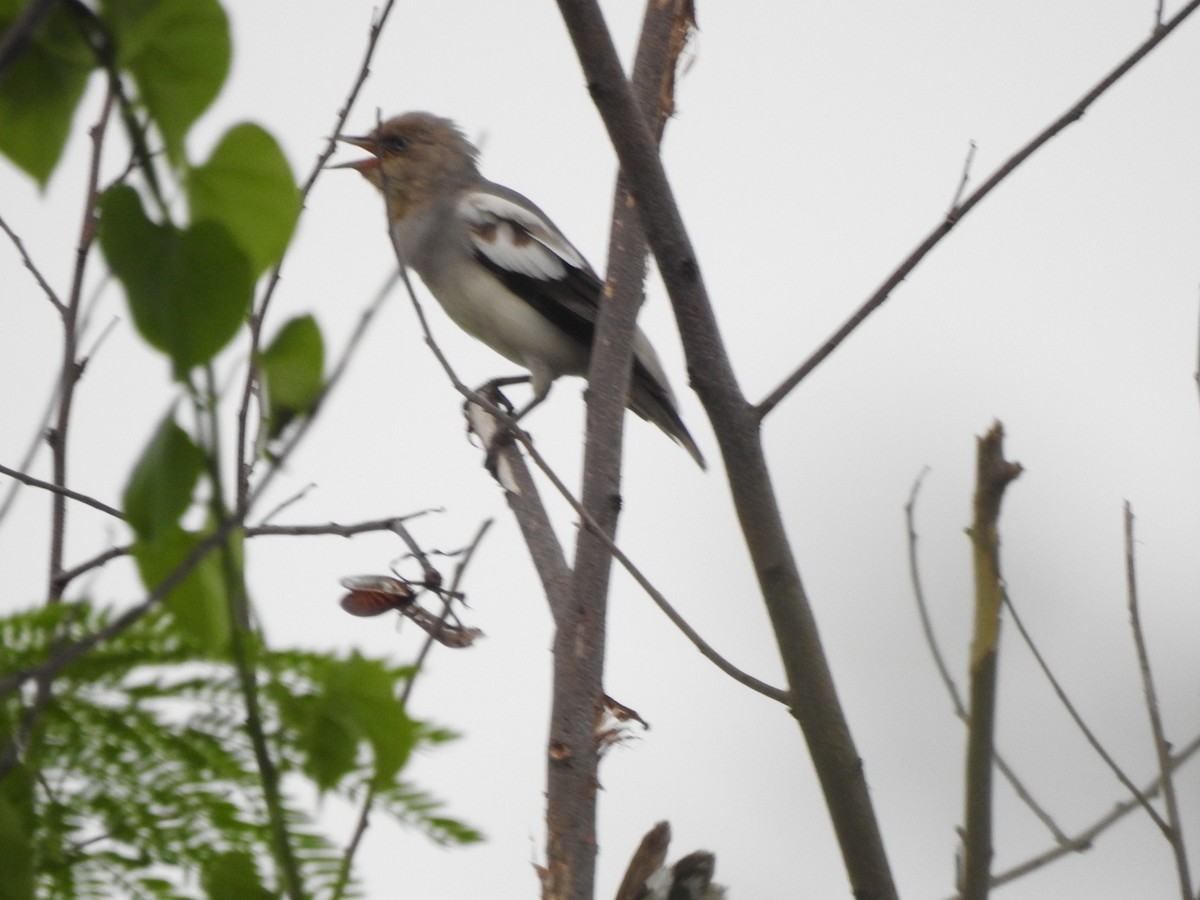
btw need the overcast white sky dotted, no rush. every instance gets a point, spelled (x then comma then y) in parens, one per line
(815, 145)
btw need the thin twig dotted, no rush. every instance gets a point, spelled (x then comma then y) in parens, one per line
(914, 573)
(258, 317)
(332, 528)
(38, 432)
(966, 177)
(690, 633)
(952, 218)
(1078, 720)
(329, 529)
(100, 559)
(70, 368)
(61, 491)
(339, 370)
(32, 267)
(290, 501)
(1162, 747)
(960, 711)
(777, 694)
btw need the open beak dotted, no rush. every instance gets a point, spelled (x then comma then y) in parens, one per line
(362, 165)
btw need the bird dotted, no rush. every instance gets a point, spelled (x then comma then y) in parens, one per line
(497, 264)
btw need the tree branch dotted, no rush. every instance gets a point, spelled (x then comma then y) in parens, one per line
(939, 662)
(580, 636)
(61, 491)
(959, 210)
(1084, 839)
(368, 802)
(993, 475)
(1087, 732)
(70, 368)
(32, 267)
(1162, 746)
(813, 695)
(259, 315)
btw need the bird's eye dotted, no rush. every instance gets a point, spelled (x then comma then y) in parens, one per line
(395, 144)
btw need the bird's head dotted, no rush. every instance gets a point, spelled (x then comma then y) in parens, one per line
(415, 155)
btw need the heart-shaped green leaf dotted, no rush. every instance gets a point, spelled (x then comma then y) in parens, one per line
(189, 290)
(40, 91)
(248, 187)
(178, 52)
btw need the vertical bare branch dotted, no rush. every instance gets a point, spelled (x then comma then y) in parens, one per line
(993, 475)
(1161, 746)
(71, 368)
(939, 662)
(579, 642)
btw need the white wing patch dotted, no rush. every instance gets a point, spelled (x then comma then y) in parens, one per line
(516, 238)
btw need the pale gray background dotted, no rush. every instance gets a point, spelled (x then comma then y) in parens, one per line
(815, 145)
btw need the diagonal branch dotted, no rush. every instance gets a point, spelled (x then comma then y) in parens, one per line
(32, 267)
(1087, 732)
(1074, 114)
(61, 491)
(810, 681)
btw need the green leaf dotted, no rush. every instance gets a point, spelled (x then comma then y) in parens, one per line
(41, 90)
(293, 369)
(198, 605)
(233, 874)
(330, 743)
(161, 486)
(248, 187)
(365, 690)
(178, 52)
(189, 290)
(17, 827)
(355, 703)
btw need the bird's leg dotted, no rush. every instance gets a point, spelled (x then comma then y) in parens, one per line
(491, 391)
(533, 401)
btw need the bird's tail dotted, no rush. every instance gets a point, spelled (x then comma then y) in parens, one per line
(654, 402)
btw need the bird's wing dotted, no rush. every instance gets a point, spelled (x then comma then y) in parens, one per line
(532, 259)
(517, 237)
